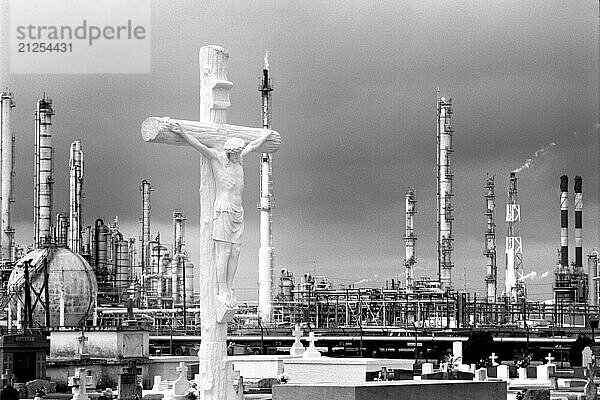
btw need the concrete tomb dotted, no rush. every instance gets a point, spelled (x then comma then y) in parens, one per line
(502, 372)
(129, 387)
(339, 370)
(405, 390)
(427, 368)
(77, 384)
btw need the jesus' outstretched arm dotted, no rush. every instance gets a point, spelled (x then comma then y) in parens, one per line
(195, 143)
(255, 144)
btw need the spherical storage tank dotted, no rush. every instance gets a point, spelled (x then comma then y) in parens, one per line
(69, 276)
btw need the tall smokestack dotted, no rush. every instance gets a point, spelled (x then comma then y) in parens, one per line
(578, 222)
(445, 192)
(564, 221)
(514, 288)
(43, 180)
(491, 278)
(8, 146)
(75, 196)
(265, 252)
(145, 221)
(410, 238)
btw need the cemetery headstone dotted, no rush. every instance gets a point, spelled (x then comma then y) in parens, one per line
(77, 383)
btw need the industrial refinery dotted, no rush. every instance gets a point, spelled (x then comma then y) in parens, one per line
(350, 224)
(86, 275)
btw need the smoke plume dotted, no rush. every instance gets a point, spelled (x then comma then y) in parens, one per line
(537, 155)
(533, 275)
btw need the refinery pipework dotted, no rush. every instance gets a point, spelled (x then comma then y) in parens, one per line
(410, 238)
(8, 146)
(445, 192)
(43, 172)
(75, 196)
(491, 278)
(265, 252)
(514, 288)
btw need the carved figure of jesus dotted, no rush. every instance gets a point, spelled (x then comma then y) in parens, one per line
(228, 219)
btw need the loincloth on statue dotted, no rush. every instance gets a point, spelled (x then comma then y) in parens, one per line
(228, 222)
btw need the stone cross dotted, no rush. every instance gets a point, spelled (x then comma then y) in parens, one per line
(494, 357)
(181, 384)
(8, 376)
(297, 348)
(549, 358)
(586, 356)
(211, 131)
(182, 369)
(311, 351)
(82, 345)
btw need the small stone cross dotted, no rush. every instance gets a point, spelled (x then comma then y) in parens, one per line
(131, 367)
(311, 351)
(82, 345)
(8, 376)
(297, 333)
(311, 339)
(494, 357)
(297, 347)
(549, 358)
(182, 369)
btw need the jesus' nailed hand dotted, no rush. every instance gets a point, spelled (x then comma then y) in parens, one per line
(228, 220)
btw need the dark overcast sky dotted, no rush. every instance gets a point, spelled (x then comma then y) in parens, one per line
(354, 100)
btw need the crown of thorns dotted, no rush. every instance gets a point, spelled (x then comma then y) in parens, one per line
(234, 145)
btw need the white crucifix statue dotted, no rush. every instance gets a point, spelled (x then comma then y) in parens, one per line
(549, 358)
(494, 357)
(222, 148)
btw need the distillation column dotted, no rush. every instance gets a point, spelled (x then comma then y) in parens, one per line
(265, 252)
(8, 146)
(145, 222)
(43, 173)
(179, 286)
(578, 223)
(75, 196)
(593, 278)
(444, 193)
(564, 221)
(491, 278)
(514, 288)
(410, 238)
(61, 229)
